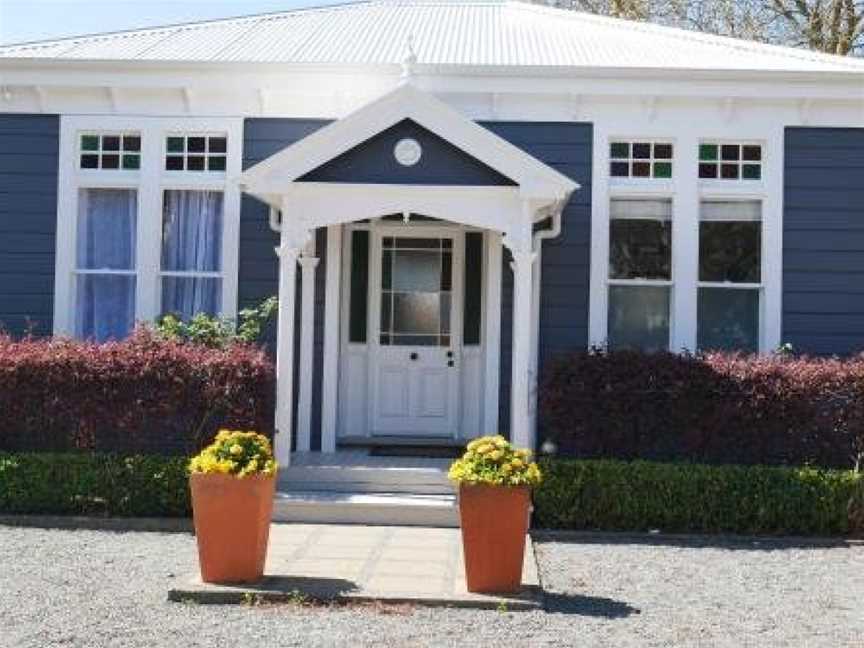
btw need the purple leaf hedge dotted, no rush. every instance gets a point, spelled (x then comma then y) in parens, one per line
(141, 395)
(713, 409)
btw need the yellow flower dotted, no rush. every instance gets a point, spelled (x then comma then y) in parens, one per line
(236, 449)
(496, 455)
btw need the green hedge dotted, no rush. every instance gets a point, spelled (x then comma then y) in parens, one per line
(94, 484)
(591, 494)
(614, 495)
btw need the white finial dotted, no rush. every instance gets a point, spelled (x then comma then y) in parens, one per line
(410, 59)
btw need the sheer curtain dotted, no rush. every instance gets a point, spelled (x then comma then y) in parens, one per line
(105, 263)
(192, 252)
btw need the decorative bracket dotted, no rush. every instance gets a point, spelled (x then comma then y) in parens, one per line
(805, 110)
(730, 107)
(651, 104)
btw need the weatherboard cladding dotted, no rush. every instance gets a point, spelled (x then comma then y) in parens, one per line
(823, 240)
(29, 146)
(565, 146)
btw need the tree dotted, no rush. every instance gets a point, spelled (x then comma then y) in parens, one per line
(831, 26)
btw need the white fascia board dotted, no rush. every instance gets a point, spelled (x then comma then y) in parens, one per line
(853, 73)
(242, 77)
(407, 102)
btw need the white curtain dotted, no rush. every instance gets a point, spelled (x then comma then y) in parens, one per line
(105, 301)
(192, 243)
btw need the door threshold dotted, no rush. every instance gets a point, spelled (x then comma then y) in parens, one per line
(404, 441)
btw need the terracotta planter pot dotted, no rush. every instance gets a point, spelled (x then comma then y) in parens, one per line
(232, 525)
(494, 523)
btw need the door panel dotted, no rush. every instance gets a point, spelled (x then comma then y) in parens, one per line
(414, 369)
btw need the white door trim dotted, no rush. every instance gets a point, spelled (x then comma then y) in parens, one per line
(418, 229)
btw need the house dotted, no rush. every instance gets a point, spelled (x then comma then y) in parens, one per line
(455, 192)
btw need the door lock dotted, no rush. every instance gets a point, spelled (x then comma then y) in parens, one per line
(450, 363)
(449, 354)
(414, 356)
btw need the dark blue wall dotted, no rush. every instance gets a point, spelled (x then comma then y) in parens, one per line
(259, 267)
(373, 161)
(565, 146)
(823, 240)
(28, 221)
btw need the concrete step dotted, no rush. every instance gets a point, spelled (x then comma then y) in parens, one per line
(398, 509)
(366, 479)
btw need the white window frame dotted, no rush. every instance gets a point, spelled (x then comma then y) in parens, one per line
(630, 179)
(642, 282)
(719, 183)
(150, 181)
(687, 193)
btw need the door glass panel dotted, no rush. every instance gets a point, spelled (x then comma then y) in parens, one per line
(416, 312)
(415, 271)
(415, 291)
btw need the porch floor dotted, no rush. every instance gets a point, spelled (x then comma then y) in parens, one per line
(422, 566)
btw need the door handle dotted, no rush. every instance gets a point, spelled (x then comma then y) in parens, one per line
(450, 363)
(449, 354)
(413, 356)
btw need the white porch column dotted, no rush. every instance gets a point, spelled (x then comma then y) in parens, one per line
(519, 242)
(308, 263)
(330, 377)
(290, 245)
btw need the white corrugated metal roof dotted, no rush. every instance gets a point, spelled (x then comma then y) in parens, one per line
(456, 32)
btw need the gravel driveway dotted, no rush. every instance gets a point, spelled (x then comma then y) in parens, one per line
(98, 588)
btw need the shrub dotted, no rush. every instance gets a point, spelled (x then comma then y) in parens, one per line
(614, 495)
(93, 484)
(219, 332)
(144, 395)
(714, 409)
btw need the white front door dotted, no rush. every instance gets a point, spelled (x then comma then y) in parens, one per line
(416, 337)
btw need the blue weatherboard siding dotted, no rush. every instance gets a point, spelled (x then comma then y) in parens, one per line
(373, 161)
(823, 240)
(28, 220)
(566, 146)
(259, 268)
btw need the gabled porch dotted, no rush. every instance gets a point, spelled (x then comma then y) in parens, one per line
(418, 204)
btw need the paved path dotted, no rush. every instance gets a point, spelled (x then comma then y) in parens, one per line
(393, 564)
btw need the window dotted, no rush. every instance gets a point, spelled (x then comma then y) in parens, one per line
(472, 311)
(416, 291)
(730, 275)
(196, 153)
(359, 286)
(730, 161)
(110, 151)
(135, 240)
(105, 263)
(192, 252)
(640, 160)
(640, 274)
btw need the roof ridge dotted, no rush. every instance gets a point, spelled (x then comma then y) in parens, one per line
(692, 35)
